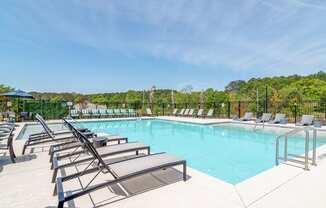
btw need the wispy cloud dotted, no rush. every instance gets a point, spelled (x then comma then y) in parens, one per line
(281, 35)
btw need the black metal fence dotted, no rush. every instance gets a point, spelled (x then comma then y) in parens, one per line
(293, 111)
(26, 109)
(233, 109)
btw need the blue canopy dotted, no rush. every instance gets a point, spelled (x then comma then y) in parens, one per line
(17, 94)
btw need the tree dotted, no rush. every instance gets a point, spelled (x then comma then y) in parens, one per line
(235, 86)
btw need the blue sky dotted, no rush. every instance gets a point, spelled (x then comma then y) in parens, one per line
(113, 45)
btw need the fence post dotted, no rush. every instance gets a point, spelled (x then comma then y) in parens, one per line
(239, 109)
(266, 100)
(41, 101)
(229, 109)
(295, 112)
(325, 111)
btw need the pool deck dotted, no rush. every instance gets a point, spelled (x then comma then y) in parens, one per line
(27, 184)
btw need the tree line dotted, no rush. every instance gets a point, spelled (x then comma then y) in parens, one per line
(294, 88)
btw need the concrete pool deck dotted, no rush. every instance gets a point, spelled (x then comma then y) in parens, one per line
(27, 184)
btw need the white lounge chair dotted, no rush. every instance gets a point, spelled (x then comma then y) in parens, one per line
(132, 112)
(181, 112)
(280, 118)
(85, 113)
(200, 113)
(247, 116)
(186, 112)
(102, 112)
(191, 112)
(74, 113)
(95, 113)
(266, 117)
(174, 113)
(109, 112)
(124, 112)
(210, 113)
(306, 120)
(116, 112)
(149, 112)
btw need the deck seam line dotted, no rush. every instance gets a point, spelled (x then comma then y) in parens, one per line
(274, 189)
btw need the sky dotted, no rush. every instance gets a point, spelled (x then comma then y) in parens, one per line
(93, 46)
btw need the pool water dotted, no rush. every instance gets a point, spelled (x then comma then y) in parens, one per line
(226, 152)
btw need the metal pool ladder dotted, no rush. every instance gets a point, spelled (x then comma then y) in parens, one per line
(306, 157)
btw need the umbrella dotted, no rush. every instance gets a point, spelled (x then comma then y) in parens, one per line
(17, 94)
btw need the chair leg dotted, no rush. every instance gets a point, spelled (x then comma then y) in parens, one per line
(184, 171)
(12, 154)
(25, 146)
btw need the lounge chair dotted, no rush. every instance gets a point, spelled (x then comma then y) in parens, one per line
(50, 136)
(186, 112)
(74, 143)
(42, 134)
(104, 151)
(6, 128)
(247, 116)
(266, 117)
(210, 113)
(74, 113)
(10, 116)
(121, 170)
(110, 112)
(280, 118)
(9, 146)
(191, 112)
(85, 113)
(181, 112)
(132, 112)
(200, 113)
(306, 120)
(95, 113)
(116, 112)
(174, 113)
(149, 112)
(102, 112)
(124, 112)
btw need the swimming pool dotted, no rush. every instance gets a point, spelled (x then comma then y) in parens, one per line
(227, 152)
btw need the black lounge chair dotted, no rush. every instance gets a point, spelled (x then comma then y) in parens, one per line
(49, 137)
(5, 129)
(9, 146)
(121, 170)
(41, 120)
(104, 151)
(75, 144)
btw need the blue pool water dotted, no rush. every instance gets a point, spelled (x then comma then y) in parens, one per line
(226, 152)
